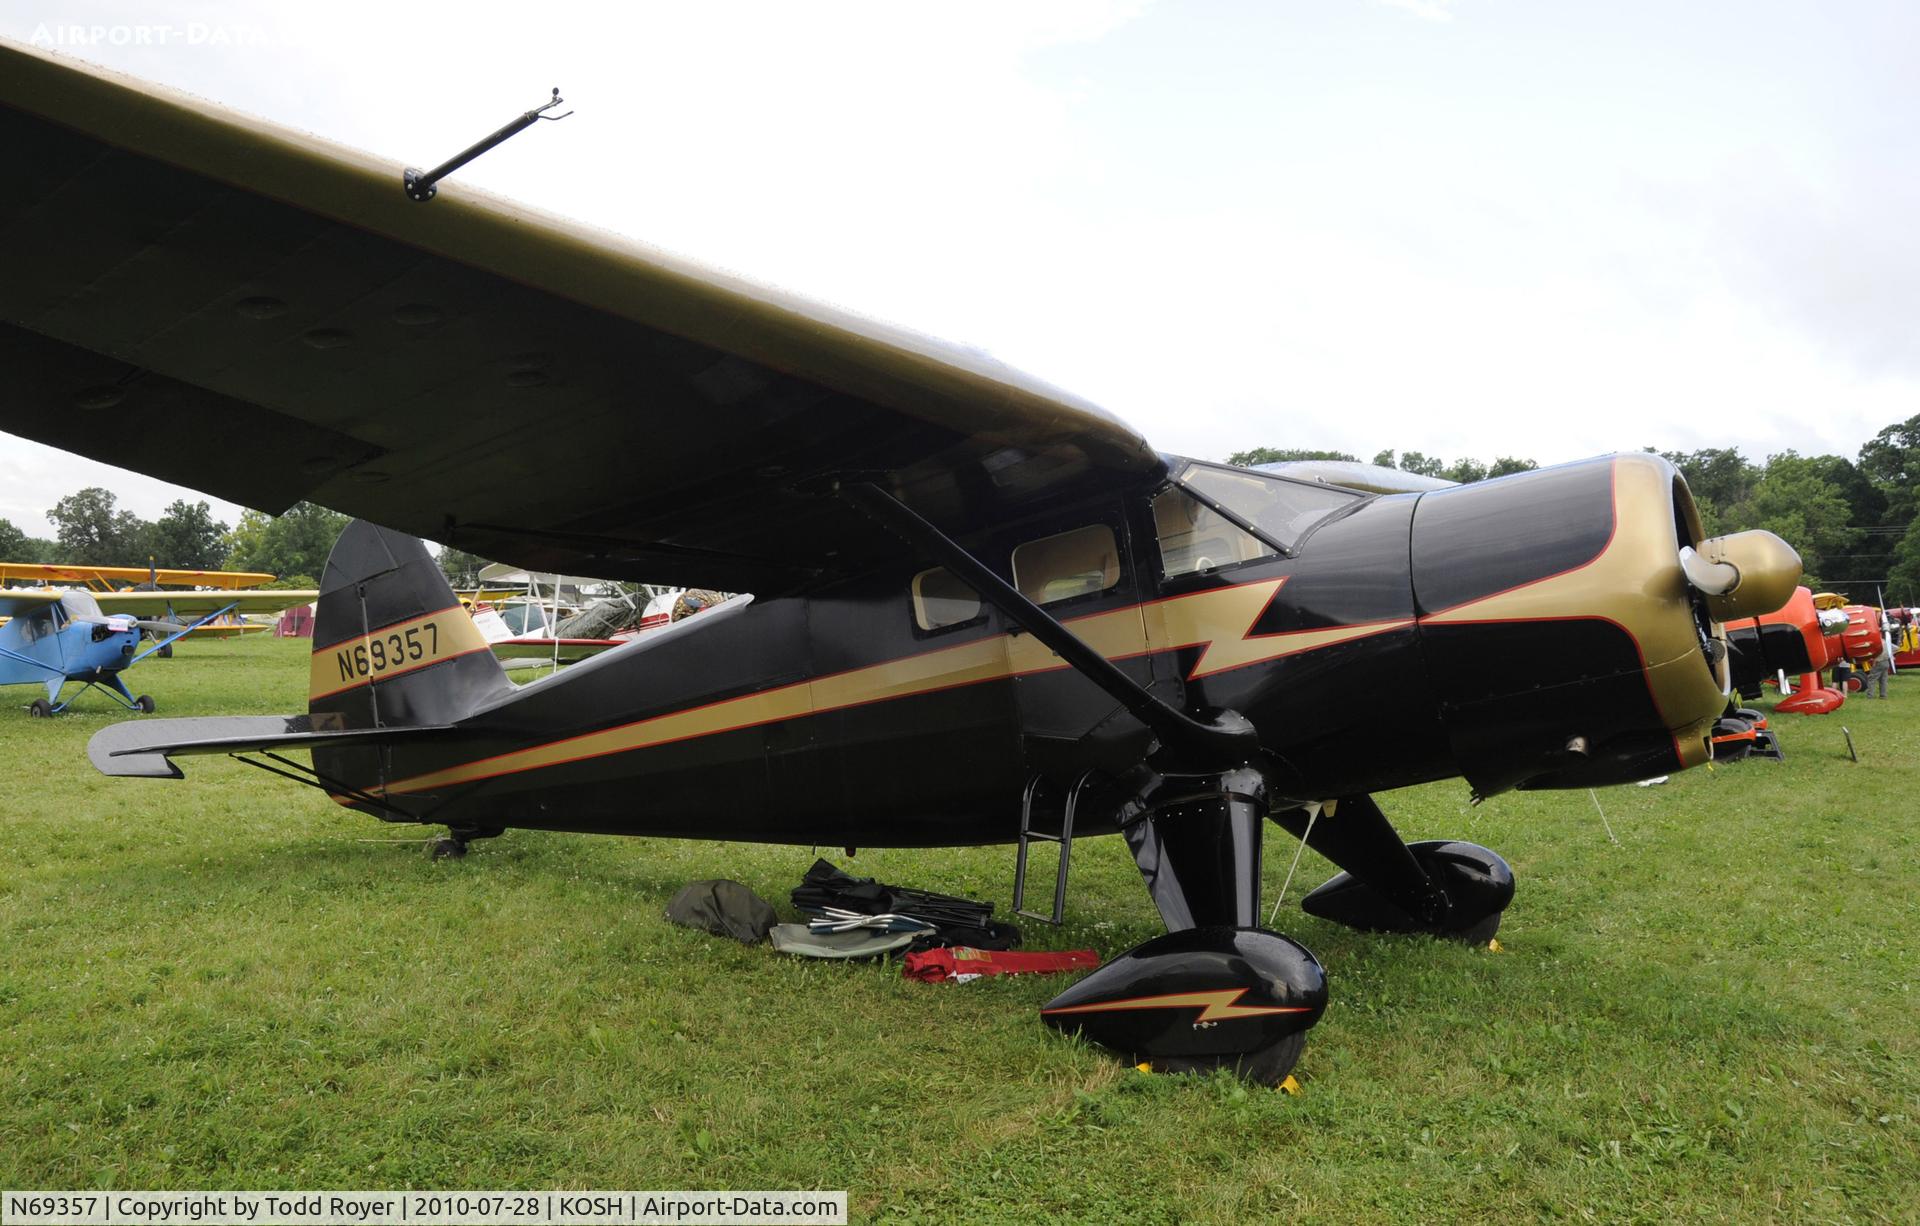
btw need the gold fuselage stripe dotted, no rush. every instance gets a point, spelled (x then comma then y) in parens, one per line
(1221, 620)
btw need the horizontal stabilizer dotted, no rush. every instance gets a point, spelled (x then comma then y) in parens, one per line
(141, 749)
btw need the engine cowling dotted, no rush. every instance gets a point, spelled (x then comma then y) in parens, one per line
(1567, 642)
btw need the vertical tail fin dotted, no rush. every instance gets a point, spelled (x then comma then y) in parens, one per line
(392, 645)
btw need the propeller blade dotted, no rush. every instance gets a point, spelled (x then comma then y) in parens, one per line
(124, 623)
(119, 623)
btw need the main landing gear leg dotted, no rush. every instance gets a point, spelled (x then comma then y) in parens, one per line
(1200, 856)
(1441, 888)
(1216, 991)
(454, 845)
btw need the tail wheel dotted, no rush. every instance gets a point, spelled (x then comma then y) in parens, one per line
(39, 708)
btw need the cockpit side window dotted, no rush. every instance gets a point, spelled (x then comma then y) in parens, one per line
(941, 600)
(1195, 537)
(1068, 564)
(35, 625)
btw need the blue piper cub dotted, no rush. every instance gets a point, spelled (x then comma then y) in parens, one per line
(51, 638)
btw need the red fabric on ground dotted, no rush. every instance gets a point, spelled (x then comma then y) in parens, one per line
(960, 961)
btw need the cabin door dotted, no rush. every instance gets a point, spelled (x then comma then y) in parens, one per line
(1084, 571)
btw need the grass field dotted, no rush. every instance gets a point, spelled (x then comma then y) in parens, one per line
(226, 982)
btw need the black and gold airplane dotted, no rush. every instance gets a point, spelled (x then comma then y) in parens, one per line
(980, 605)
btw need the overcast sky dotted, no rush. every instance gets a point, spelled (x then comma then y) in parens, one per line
(1456, 226)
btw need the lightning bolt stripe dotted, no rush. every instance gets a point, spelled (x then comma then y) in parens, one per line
(1220, 621)
(1215, 1006)
(1225, 627)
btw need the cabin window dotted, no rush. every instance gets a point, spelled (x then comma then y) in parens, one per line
(939, 599)
(35, 625)
(1076, 563)
(1283, 510)
(1195, 537)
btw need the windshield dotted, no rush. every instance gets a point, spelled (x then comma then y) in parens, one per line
(80, 606)
(524, 618)
(1282, 509)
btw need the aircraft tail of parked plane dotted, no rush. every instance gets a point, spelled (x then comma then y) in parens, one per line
(385, 615)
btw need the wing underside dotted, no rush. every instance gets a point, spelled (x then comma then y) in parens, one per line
(13, 604)
(469, 370)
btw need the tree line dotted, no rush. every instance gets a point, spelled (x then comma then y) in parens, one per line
(92, 529)
(1465, 471)
(1856, 522)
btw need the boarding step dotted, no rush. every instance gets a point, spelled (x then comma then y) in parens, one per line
(1030, 799)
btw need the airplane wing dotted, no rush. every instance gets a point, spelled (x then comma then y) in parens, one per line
(471, 370)
(13, 604)
(199, 604)
(79, 575)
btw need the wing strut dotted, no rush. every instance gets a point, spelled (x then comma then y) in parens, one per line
(182, 632)
(1213, 740)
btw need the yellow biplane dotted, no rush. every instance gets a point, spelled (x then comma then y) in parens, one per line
(120, 578)
(221, 596)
